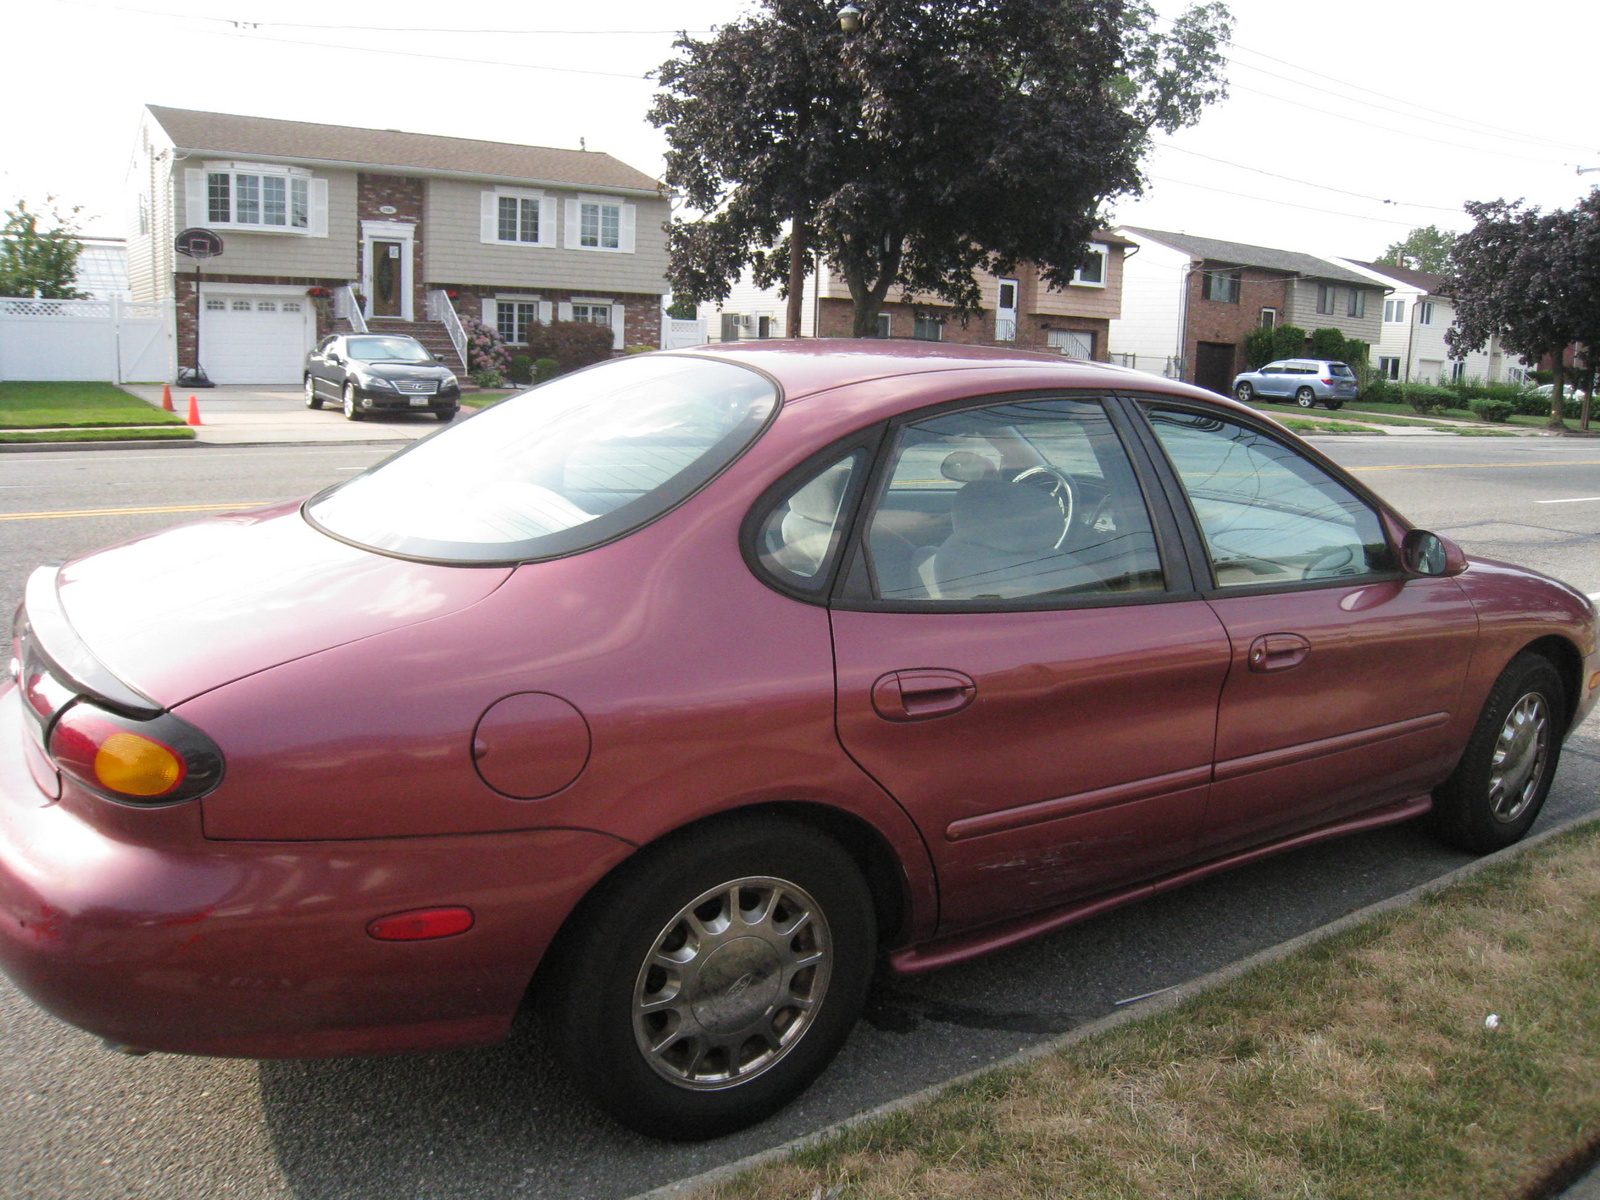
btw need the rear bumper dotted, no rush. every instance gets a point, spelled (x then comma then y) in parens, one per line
(129, 924)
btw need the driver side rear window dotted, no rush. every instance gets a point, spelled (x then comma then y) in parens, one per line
(1025, 501)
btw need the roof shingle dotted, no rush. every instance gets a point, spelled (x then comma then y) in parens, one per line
(236, 136)
(1243, 255)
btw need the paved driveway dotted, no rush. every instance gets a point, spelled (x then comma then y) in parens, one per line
(239, 414)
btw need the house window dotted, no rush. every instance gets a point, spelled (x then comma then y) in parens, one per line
(885, 326)
(927, 329)
(1220, 285)
(216, 305)
(519, 219)
(258, 199)
(1458, 371)
(291, 306)
(597, 314)
(1092, 271)
(512, 318)
(1389, 368)
(1325, 298)
(266, 306)
(1008, 294)
(1269, 318)
(1358, 303)
(1425, 312)
(600, 225)
(1394, 311)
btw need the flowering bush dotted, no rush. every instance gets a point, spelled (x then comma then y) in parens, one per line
(485, 351)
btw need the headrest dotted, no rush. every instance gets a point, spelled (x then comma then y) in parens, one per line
(966, 467)
(1014, 518)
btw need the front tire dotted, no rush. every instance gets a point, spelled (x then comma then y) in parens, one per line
(1305, 398)
(709, 982)
(1244, 393)
(312, 399)
(352, 408)
(445, 415)
(1497, 789)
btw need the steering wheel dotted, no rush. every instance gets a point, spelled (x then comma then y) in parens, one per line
(1059, 486)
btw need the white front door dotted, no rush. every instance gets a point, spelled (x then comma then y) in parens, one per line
(1005, 312)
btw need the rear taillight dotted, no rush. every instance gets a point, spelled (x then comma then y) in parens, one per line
(160, 760)
(1327, 383)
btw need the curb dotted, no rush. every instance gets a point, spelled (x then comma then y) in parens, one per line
(1135, 1012)
(186, 444)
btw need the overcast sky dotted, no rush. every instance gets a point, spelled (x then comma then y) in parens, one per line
(1347, 124)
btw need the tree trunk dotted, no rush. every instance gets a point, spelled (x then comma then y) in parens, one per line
(1557, 404)
(797, 276)
(867, 298)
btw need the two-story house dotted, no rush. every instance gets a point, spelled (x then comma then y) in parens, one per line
(1019, 310)
(328, 227)
(1412, 346)
(1190, 301)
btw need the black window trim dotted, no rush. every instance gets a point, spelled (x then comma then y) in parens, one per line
(852, 589)
(1194, 536)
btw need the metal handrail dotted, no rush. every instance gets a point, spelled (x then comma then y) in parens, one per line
(440, 309)
(345, 306)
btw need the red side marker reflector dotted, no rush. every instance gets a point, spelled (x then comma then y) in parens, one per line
(419, 924)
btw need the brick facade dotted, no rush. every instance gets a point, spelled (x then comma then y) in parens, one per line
(976, 329)
(641, 311)
(1222, 322)
(408, 198)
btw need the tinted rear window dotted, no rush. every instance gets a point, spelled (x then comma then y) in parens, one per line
(1340, 369)
(569, 465)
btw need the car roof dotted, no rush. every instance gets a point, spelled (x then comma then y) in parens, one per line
(804, 367)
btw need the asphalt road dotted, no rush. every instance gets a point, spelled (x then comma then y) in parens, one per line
(82, 1123)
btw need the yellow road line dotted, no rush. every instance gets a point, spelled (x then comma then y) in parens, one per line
(130, 512)
(1466, 466)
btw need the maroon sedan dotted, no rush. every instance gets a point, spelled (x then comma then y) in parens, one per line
(675, 693)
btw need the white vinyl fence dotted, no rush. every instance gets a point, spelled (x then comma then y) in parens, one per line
(117, 341)
(677, 335)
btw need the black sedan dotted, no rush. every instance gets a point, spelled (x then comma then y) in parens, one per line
(379, 372)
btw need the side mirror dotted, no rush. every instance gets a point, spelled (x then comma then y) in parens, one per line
(1428, 554)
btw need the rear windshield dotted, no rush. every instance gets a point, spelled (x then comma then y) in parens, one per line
(576, 462)
(1340, 369)
(387, 349)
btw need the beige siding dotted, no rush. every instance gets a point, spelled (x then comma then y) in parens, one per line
(1303, 310)
(149, 227)
(1080, 300)
(454, 252)
(287, 255)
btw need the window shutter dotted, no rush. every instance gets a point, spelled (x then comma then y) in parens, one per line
(548, 216)
(318, 226)
(574, 212)
(618, 329)
(564, 308)
(489, 216)
(491, 312)
(625, 231)
(194, 198)
(546, 308)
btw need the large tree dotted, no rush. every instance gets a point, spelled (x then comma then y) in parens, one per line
(1531, 277)
(937, 139)
(39, 262)
(1424, 249)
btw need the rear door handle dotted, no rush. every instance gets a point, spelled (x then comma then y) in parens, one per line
(1278, 652)
(921, 694)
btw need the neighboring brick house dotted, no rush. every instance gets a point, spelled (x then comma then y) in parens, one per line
(1019, 310)
(1416, 315)
(329, 227)
(1191, 301)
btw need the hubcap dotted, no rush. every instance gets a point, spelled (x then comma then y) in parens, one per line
(732, 983)
(1519, 756)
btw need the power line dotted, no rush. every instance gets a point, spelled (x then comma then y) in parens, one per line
(1305, 182)
(1285, 203)
(241, 24)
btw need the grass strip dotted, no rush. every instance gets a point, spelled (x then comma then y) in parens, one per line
(485, 399)
(82, 405)
(1303, 426)
(118, 434)
(1361, 1067)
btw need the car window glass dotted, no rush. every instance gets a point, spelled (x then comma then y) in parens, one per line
(1268, 515)
(800, 537)
(387, 349)
(578, 461)
(1340, 369)
(1018, 501)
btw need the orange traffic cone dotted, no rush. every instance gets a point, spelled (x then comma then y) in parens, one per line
(194, 411)
(166, 397)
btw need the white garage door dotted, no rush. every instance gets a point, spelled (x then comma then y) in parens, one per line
(254, 339)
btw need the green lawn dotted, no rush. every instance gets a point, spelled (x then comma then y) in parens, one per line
(75, 405)
(100, 434)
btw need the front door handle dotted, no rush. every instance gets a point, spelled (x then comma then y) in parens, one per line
(1278, 652)
(921, 694)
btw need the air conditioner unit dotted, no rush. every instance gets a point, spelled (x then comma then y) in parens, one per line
(746, 321)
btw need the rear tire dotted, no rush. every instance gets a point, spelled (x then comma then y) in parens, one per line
(1305, 398)
(713, 978)
(312, 399)
(1244, 393)
(1497, 789)
(1335, 405)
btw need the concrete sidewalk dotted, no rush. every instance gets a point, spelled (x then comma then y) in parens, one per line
(243, 415)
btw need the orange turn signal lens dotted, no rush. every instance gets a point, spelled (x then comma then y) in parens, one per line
(161, 760)
(137, 766)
